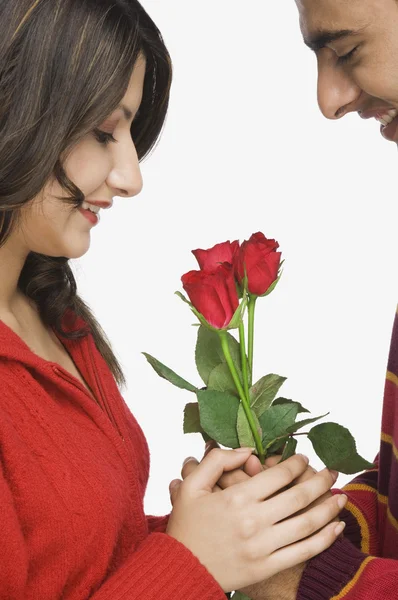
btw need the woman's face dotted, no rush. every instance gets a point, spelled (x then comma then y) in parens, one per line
(100, 168)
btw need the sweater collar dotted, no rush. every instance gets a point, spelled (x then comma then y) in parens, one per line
(13, 347)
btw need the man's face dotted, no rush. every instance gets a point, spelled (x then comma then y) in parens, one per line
(356, 43)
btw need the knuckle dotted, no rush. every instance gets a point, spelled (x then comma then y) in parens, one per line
(327, 478)
(223, 482)
(307, 524)
(299, 499)
(306, 552)
(248, 527)
(232, 478)
(250, 552)
(318, 543)
(294, 466)
(287, 471)
(236, 500)
(186, 488)
(326, 538)
(300, 462)
(215, 454)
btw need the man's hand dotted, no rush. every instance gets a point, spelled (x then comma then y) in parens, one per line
(284, 585)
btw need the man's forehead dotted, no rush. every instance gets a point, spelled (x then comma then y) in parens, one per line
(334, 15)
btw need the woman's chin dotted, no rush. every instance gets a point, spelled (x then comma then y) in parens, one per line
(78, 251)
(72, 250)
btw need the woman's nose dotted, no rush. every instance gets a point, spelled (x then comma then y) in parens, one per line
(125, 178)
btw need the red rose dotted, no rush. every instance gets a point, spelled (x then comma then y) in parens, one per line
(258, 255)
(220, 253)
(213, 294)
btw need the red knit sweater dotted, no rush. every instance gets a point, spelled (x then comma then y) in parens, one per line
(72, 483)
(364, 564)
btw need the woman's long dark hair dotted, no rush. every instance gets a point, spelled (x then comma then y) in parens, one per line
(64, 67)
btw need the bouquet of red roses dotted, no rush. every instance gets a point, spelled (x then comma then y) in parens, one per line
(230, 408)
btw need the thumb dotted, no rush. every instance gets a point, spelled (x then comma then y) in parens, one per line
(173, 489)
(209, 471)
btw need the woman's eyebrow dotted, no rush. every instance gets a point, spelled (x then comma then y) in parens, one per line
(126, 111)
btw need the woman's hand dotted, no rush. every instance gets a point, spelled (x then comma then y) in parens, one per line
(284, 585)
(251, 467)
(252, 530)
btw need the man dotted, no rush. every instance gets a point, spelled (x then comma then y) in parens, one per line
(356, 43)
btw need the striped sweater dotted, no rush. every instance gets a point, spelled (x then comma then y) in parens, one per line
(363, 565)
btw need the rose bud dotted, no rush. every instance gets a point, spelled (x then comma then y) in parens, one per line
(213, 294)
(257, 257)
(213, 257)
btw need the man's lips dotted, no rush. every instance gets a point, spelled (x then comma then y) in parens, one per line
(374, 112)
(389, 120)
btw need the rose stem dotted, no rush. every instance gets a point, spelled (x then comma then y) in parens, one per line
(244, 359)
(246, 406)
(250, 310)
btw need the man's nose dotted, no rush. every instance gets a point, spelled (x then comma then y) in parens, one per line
(337, 92)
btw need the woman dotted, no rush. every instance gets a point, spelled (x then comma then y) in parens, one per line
(84, 90)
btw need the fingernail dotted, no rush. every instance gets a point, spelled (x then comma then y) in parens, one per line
(187, 460)
(334, 474)
(339, 528)
(342, 500)
(243, 449)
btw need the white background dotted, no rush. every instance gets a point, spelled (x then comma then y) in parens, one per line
(246, 149)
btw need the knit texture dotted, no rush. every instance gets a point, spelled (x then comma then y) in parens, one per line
(73, 475)
(363, 565)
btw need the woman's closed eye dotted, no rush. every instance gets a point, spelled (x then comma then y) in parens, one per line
(104, 137)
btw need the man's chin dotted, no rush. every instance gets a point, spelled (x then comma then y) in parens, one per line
(390, 131)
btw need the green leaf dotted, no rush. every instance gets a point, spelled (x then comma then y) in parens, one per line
(336, 448)
(303, 423)
(276, 420)
(276, 446)
(264, 391)
(238, 315)
(209, 354)
(272, 286)
(192, 420)
(234, 323)
(220, 379)
(240, 596)
(168, 374)
(218, 416)
(196, 312)
(242, 287)
(290, 448)
(245, 435)
(286, 401)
